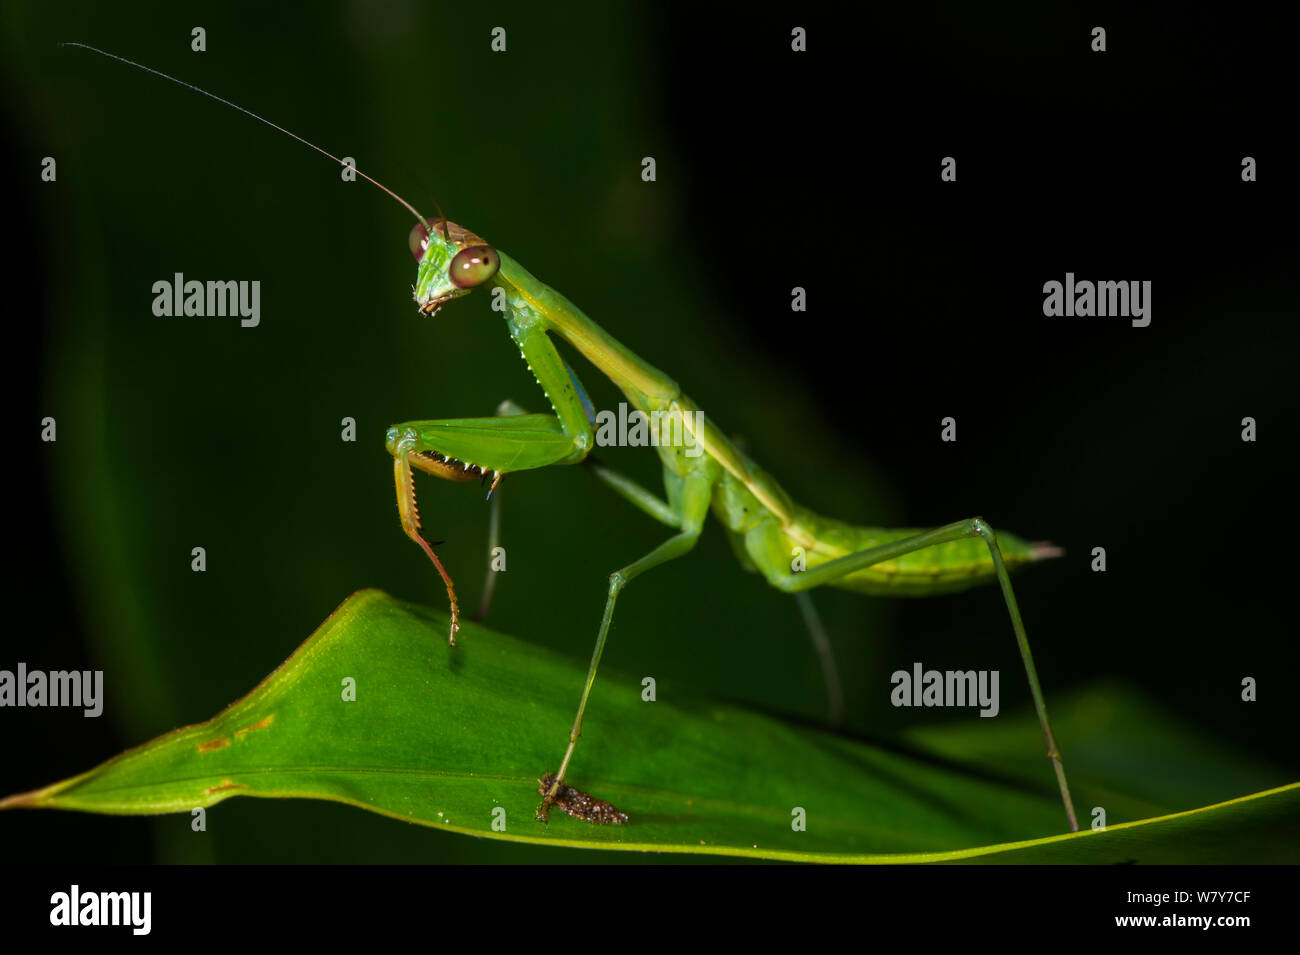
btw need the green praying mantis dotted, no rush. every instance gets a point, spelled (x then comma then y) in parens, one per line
(794, 548)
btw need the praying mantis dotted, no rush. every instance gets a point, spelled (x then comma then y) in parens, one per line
(704, 472)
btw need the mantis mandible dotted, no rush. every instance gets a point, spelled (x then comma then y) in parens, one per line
(705, 472)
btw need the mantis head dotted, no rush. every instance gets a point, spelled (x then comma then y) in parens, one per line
(453, 261)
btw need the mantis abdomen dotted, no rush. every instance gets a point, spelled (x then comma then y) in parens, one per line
(941, 568)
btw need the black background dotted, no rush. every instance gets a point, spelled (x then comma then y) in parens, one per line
(1122, 164)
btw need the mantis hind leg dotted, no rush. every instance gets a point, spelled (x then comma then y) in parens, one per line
(772, 560)
(821, 642)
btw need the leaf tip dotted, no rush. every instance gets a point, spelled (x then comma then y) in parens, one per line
(33, 799)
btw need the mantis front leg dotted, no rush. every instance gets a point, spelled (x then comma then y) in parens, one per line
(409, 512)
(468, 449)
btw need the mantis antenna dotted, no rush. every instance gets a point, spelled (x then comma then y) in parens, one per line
(225, 102)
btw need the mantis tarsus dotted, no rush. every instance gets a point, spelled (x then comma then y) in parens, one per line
(705, 473)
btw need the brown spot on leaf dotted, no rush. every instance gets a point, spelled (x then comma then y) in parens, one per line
(261, 724)
(219, 742)
(225, 784)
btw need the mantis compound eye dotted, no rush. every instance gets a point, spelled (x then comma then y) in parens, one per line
(419, 240)
(473, 266)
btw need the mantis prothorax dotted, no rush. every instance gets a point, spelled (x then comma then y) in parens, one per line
(704, 473)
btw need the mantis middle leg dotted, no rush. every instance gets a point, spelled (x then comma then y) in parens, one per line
(689, 508)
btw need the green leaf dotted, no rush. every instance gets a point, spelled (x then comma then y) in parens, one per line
(446, 736)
